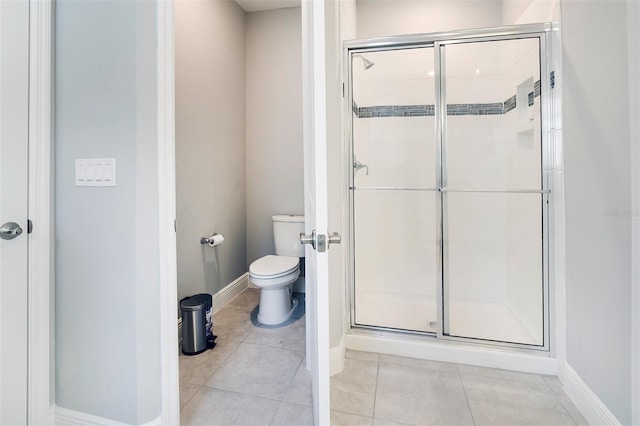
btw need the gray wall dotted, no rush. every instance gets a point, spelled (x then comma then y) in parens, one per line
(275, 170)
(598, 199)
(107, 360)
(210, 144)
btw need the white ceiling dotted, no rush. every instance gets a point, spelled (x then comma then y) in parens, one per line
(258, 5)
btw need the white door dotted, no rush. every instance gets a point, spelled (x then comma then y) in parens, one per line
(14, 66)
(316, 212)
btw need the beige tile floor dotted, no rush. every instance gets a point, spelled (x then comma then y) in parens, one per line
(253, 376)
(257, 377)
(376, 389)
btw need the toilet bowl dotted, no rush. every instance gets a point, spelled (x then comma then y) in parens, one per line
(275, 274)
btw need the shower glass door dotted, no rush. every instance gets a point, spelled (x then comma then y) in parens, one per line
(493, 191)
(394, 200)
(448, 188)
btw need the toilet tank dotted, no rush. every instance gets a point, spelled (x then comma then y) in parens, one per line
(286, 234)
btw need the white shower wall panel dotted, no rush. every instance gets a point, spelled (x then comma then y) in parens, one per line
(396, 252)
(476, 247)
(398, 245)
(495, 258)
(524, 218)
(476, 151)
(417, 91)
(520, 62)
(488, 152)
(524, 273)
(474, 89)
(401, 130)
(399, 151)
(399, 77)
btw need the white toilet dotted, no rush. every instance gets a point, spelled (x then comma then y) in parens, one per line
(274, 275)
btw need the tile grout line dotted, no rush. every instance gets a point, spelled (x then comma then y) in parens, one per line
(204, 385)
(191, 397)
(466, 397)
(293, 378)
(222, 361)
(276, 347)
(245, 394)
(375, 392)
(273, 417)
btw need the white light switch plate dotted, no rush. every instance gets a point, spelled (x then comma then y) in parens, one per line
(96, 172)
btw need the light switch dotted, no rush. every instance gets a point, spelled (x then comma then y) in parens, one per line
(96, 172)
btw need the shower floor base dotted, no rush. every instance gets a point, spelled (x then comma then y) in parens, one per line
(396, 310)
(487, 320)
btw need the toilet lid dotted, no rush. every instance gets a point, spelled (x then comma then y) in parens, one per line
(273, 266)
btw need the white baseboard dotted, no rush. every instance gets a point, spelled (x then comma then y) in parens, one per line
(224, 296)
(336, 358)
(443, 351)
(591, 407)
(65, 417)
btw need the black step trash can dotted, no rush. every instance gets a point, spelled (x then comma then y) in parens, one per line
(197, 334)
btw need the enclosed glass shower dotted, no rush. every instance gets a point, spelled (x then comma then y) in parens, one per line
(448, 189)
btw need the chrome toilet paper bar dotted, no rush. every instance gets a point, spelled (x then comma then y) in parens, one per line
(214, 240)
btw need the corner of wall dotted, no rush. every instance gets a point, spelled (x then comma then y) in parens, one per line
(336, 358)
(591, 407)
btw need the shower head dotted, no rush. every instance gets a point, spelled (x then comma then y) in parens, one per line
(367, 63)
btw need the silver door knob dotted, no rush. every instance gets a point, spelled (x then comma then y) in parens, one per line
(308, 239)
(320, 242)
(10, 230)
(335, 238)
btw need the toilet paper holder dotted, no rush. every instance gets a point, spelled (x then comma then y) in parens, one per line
(214, 240)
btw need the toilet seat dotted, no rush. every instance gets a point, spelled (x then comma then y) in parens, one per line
(269, 267)
(274, 275)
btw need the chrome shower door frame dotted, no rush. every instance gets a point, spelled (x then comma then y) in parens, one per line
(438, 41)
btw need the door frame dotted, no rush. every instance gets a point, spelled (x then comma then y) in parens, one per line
(169, 374)
(314, 97)
(40, 339)
(170, 408)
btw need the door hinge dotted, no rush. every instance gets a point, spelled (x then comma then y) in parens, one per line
(175, 226)
(343, 90)
(29, 226)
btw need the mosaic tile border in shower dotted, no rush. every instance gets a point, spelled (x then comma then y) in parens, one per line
(496, 108)
(397, 111)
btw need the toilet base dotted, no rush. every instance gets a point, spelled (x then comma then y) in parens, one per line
(276, 306)
(298, 313)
